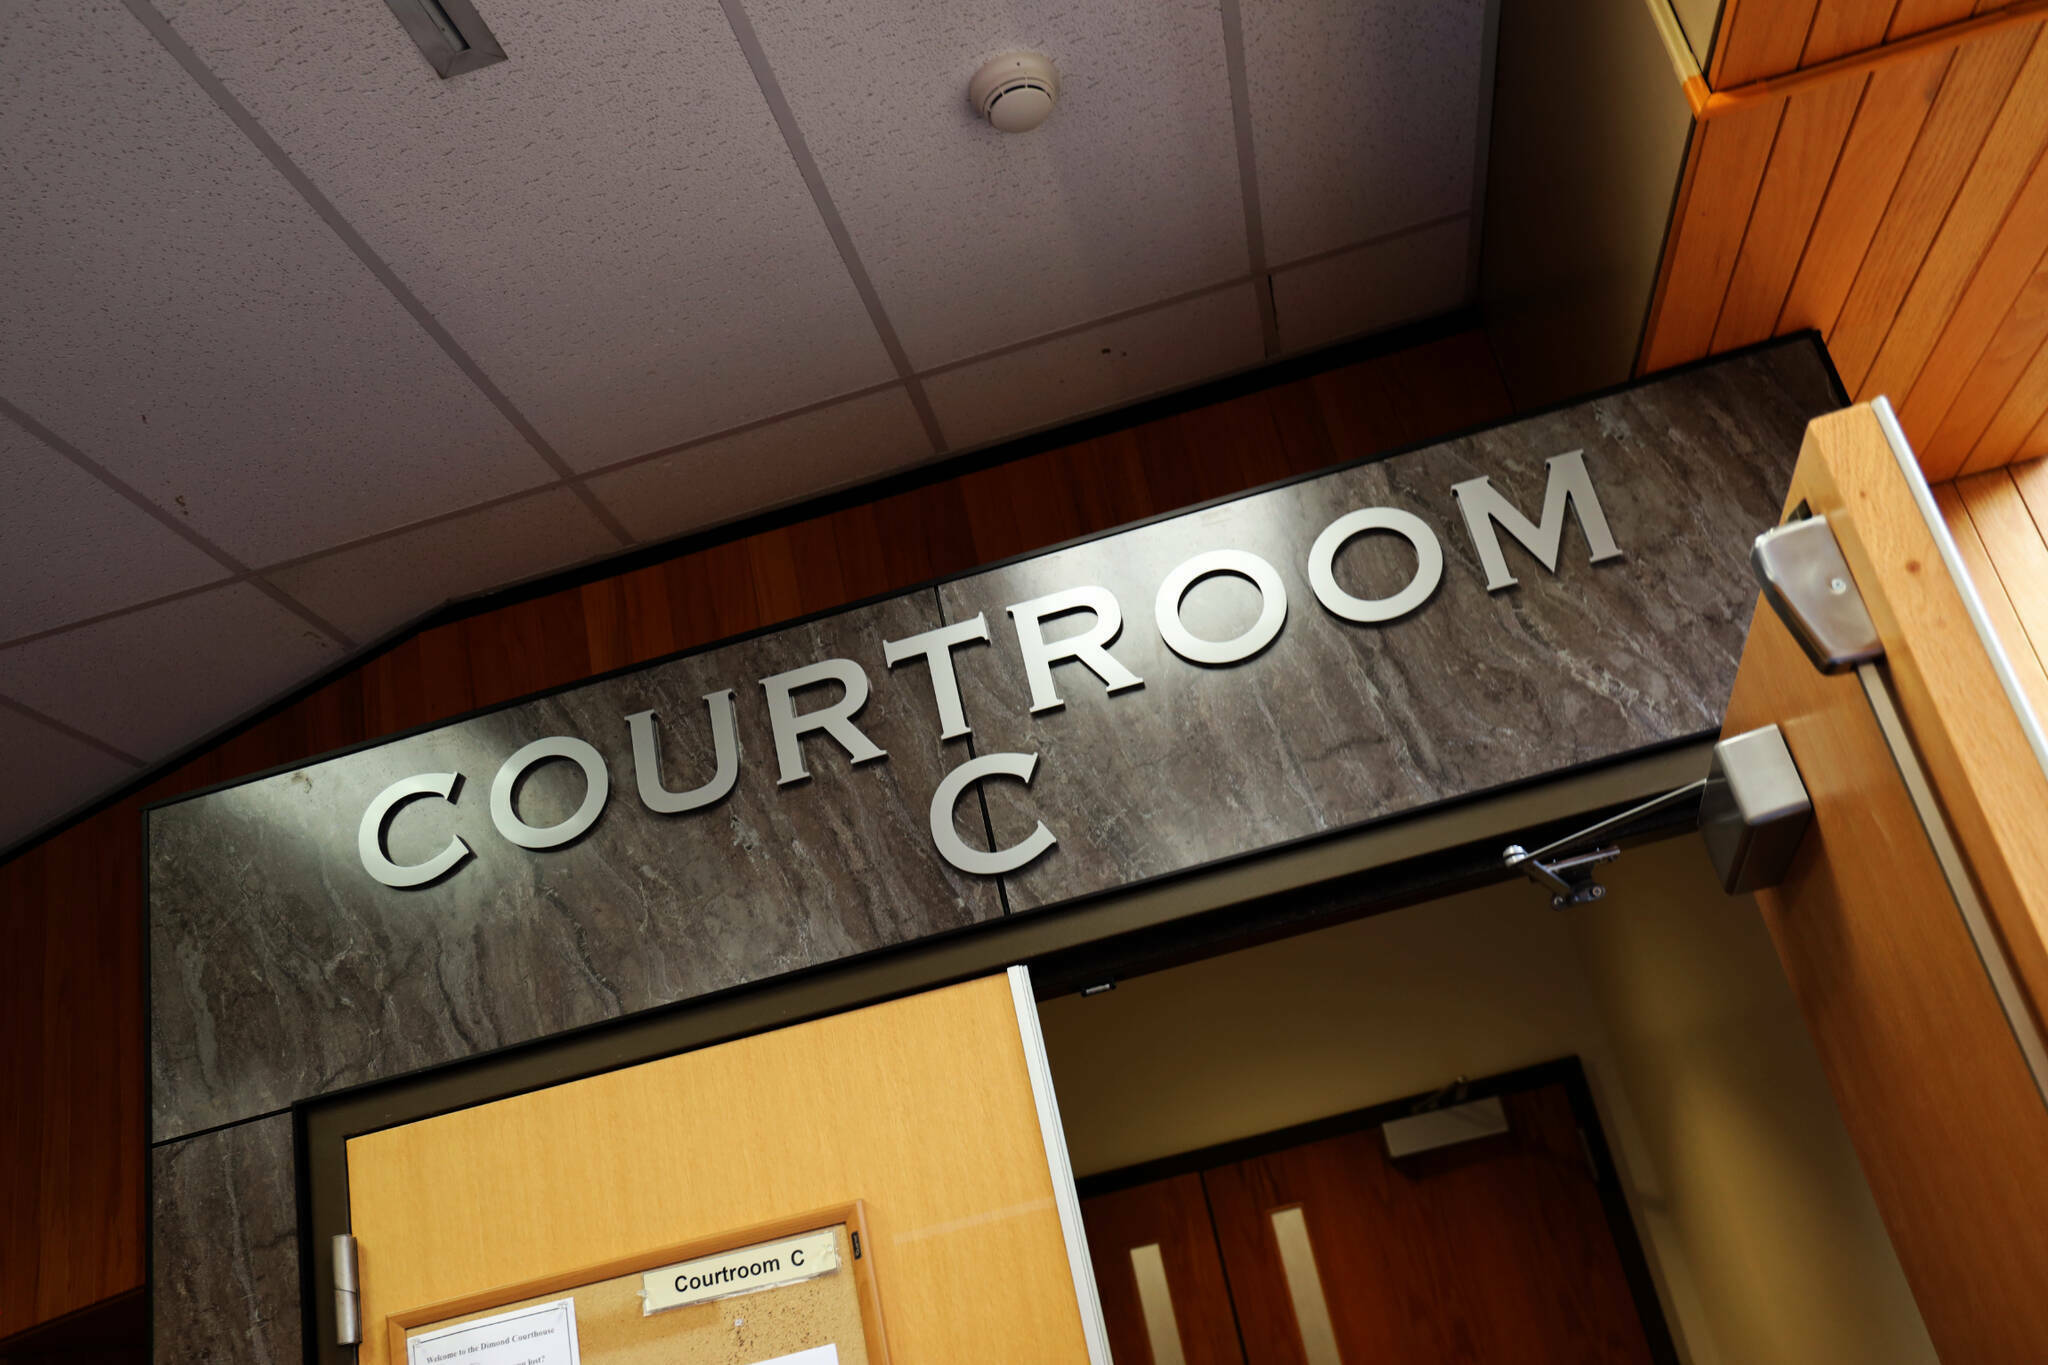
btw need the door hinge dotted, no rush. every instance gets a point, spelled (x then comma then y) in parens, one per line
(348, 1312)
(1807, 582)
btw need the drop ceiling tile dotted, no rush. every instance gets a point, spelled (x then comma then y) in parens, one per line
(977, 239)
(798, 457)
(371, 590)
(48, 774)
(1100, 367)
(1374, 287)
(150, 681)
(175, 310)
(71, 547)
(1365, 115)
(609, 221)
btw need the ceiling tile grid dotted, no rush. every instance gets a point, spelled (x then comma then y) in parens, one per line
(376, 340)
(47, 772)
(1095, 368)
(781, 462)
(1365, 115)
(372, 589)
(149, 682)
(977, 239)
(609, 222)
(181, 316)
(1379, 285)
(72, 548)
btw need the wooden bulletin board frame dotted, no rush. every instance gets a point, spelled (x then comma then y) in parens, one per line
(861, 1266)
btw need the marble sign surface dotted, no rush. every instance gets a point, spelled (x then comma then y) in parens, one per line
(279, 970)
(1336, 723)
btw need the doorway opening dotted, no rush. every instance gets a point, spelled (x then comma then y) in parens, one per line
(1669, 1180)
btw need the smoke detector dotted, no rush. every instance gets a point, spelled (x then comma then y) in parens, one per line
(1015, 91)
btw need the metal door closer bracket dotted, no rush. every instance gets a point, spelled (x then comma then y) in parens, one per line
(1754, 809)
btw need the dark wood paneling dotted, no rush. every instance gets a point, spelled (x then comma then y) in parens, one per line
(1492, 1251)
(71, 1114)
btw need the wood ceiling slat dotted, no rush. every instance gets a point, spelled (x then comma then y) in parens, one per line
(1759, 38)
(1803, 161)
(1982, 378)
(2031, 478)
(2013, 541)
(1992, 198)
(1810, 142)
(2009, 435)
(1734, 150)
(1888, 122)
(1970, 100)
(1917, 16)
(1994, 328)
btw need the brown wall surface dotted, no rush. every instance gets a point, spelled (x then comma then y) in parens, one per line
(72, 1136)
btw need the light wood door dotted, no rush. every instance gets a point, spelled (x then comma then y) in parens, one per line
(1911, 927)
(925, 1124)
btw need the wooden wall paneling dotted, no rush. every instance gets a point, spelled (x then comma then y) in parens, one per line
(1995, 371)
(1950, 139)
(2017, 551)
(779, 586)
(1998, 601)
(1895, 106)
(2009, 435)
(1809, 145)
(1997, 324)
(1172, 1214)
(24, 896)
(1994, 196)
(1758, 39)
(863, 565)
(1706, 240)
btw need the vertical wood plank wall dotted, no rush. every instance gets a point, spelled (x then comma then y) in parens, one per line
(72, 1135)
(2000, 522)
(1901, 210)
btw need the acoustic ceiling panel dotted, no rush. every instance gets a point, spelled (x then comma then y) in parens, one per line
(372, 589)
(1098, 367)
(977, 239)
(1376, 286)
(178, 313)
(1365, 115)
(48, 772)
(71, 547)
(609, 221)
(728, 477)
(148, 682)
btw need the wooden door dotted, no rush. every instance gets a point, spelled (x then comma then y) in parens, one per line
(920, 1133)
(1160, 1276)
(1494, 1252)
(1911, 926)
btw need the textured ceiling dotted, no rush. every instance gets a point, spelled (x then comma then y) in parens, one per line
(298, 341)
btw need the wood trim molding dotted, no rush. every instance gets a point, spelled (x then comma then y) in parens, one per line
(1708, 103)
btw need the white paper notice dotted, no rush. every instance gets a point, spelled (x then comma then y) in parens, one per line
(544, 1334)
(817, 1355)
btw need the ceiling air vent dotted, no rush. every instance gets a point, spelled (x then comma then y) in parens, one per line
(450, 33)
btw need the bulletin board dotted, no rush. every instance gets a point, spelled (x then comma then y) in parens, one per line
(840, 1308)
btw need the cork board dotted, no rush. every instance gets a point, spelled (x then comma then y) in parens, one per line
(741, 1329)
